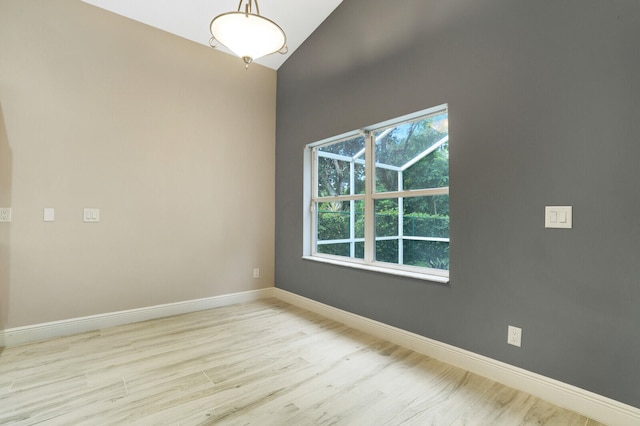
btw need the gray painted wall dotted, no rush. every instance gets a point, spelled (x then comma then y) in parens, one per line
(544, 104)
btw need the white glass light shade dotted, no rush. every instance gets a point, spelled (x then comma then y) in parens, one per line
(247, 35)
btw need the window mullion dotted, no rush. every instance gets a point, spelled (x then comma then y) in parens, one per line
(412, 193)
(313, 211)
(352, 213)
(400, 220)
(369, 208)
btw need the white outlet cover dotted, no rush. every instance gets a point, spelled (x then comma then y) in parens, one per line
(5, 214)
(514, 336)
(49, 214)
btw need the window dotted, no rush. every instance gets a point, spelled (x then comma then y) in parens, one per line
(378, 198)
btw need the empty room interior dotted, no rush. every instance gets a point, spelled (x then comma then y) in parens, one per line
(418, 212)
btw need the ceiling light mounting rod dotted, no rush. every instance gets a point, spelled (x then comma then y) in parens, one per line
(249, 35)
(247, 7)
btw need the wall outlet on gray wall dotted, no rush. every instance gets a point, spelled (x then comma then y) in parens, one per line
(514, 336)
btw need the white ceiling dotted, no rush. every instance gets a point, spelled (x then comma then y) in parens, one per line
(190, 19)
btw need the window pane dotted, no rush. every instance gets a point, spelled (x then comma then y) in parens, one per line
(425, 221)
(387, 179)
(421, 216)
(333, 220)
(333, 177)
(387, 250)
(359, 178)
(426, 216)
(386, 217)
(351, 148)
(386, 220)
(341, 168)
(340, 228)
(429, 254)
(341, 249)
(431, 171)
(358, 216)
(418, 151)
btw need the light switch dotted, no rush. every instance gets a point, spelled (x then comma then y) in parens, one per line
(558, 217)
(562, 216)
(91, 215)
(49, 214)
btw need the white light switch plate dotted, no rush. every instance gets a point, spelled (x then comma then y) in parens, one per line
(91, 215)
(558, 217)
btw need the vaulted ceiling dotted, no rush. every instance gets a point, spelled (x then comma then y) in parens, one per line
(190, 19)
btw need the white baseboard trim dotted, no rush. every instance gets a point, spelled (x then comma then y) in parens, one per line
(587, 403)
(581, 401)
(31, 333)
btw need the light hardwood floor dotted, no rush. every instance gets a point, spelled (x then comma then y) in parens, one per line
(261, 363)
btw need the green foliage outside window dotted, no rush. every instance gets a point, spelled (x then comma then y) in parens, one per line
(335, 225)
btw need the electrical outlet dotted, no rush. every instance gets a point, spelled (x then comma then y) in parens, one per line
(514, 336)
(49, 214)
(256, 272)
(5, 214)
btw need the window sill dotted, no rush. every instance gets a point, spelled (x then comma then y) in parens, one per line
(398, 272)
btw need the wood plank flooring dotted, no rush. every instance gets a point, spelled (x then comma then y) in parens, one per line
(261, 363)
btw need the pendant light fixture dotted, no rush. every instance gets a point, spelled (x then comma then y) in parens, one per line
(249, 35)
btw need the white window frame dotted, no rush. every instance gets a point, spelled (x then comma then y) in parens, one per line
(311, 197)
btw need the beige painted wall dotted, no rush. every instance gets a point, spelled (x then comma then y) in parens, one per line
(173, 141)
